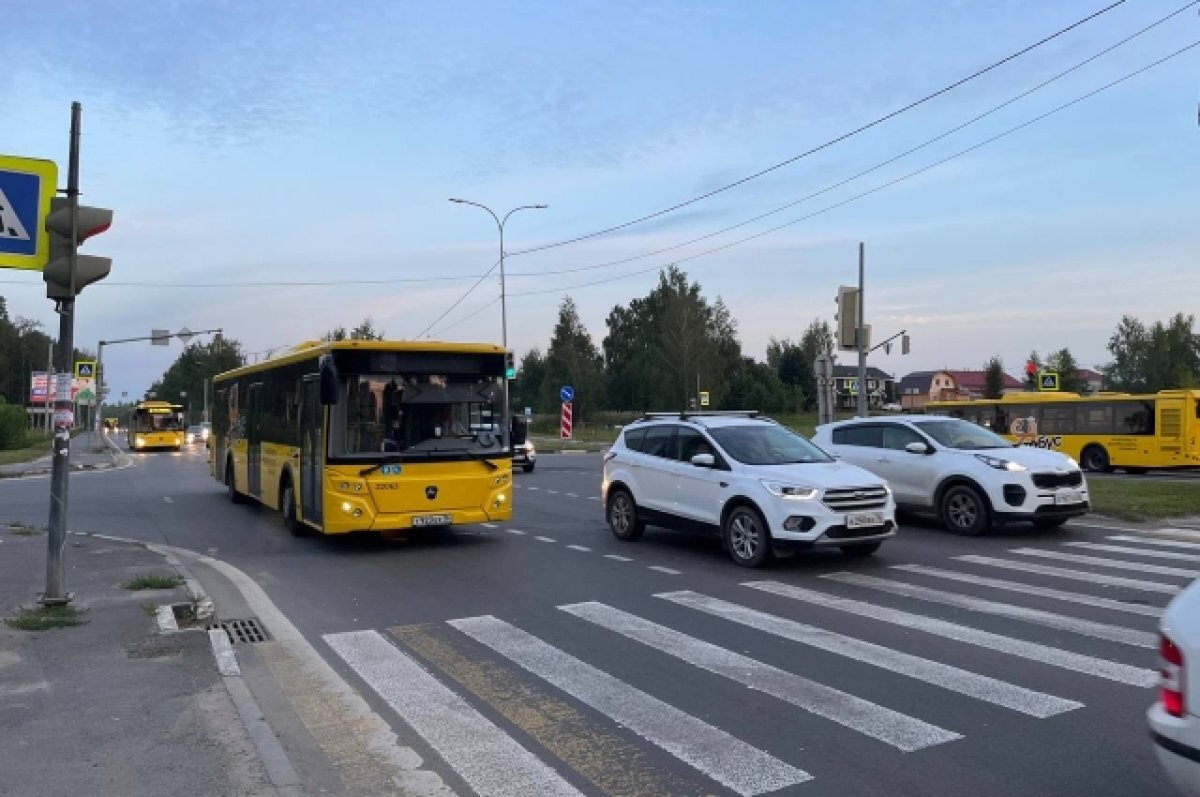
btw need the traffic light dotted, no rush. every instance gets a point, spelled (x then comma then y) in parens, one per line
(905, 344)
(60, 282)
(510, 366)
(847, 317)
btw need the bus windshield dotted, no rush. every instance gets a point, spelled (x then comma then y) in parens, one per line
(424, 416)
(156, 421)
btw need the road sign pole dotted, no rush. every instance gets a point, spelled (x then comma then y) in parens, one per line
(56, 593)
(862, 338)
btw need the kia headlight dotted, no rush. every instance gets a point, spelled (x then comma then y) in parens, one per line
(797, 492)
(1000, 464)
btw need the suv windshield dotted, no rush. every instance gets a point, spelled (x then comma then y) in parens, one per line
(766, 445)
(953, 433)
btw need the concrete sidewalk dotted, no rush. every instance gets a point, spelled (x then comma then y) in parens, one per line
(112, 706)
(89, 451)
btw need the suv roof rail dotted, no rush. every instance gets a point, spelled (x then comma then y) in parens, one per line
(683, 415)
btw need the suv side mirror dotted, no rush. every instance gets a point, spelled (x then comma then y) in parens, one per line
(917, 447)
(704, 460)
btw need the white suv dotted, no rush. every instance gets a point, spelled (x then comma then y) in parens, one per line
(758, 484)
(1175, 716)
(966, 474)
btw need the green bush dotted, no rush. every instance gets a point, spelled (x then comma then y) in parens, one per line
(12, 426)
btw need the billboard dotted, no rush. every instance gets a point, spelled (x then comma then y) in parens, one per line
(38, 387)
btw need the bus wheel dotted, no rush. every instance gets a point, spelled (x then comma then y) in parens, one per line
(1095, 459)
(234, 496)
(288, 507)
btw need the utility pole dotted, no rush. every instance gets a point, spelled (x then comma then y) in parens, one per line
(49, 384)
(863, 398)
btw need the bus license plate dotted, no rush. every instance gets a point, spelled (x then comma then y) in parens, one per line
(864, 520)
(431, 520)
(1068, 497)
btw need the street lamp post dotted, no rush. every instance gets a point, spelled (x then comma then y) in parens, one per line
(503, 292)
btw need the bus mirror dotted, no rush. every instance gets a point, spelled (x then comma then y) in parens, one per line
(329, 381)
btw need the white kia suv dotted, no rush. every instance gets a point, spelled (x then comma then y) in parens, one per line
(965, 474)
(1175, 717)
(759, 485)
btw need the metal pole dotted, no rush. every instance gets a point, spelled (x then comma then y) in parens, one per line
(862, 337)
(99, 388)
(56, 593)
(49, 377)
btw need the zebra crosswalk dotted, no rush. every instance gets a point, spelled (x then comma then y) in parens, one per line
(548, 704)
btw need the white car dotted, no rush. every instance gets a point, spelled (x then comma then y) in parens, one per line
(1175, 718)
(759, 485)
(965, 474)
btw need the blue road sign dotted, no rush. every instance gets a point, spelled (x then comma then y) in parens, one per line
(26, 187)
(567, 394)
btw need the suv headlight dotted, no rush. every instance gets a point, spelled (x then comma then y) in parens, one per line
(1000, 464)
(784, 490)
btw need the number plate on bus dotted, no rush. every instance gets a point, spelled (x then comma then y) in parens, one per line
(431, 520)
(863, 520)
(1068, 497)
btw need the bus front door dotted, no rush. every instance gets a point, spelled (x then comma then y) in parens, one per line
(254, 441)
(312, 446)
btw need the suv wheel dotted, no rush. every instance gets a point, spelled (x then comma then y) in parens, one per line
(964, 511)
(527, 467)
(747, 538)
(623, 518)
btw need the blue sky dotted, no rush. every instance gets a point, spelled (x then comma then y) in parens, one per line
(319, 141)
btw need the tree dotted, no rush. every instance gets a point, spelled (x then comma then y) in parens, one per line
(993, 379)
(527, 386)
(795, 362)
(364, 331)
(1158, 357)
(195, 368)
(573, 359)
(1063, 363)
(757, 386)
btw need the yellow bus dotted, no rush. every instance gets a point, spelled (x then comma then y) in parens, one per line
(365, 435)
(1104, 431)
(155, 425)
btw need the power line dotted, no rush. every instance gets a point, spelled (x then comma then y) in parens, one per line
(863, 173)
(301, 284)
(467, 317)
(876, 189)
(459, 300)
(880, 120)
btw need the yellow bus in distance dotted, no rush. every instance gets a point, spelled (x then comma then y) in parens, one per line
(155, 425)
(1104, 431)
(365, 435)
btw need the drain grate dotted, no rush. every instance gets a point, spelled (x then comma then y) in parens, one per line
(243, 632)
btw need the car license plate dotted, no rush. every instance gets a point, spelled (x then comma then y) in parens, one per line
(864, 520)
(431, 520)
(1068, 497)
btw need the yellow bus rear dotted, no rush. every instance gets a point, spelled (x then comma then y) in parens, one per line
(367, 436)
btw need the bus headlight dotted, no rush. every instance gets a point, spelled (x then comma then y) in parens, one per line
(139, 441)
(500, 500)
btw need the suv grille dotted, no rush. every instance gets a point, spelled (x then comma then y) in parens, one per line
(855, 498)
(1049, 481)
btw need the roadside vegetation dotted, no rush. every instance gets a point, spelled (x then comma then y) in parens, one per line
(23, 529)
(1134, 499)
(152, 581)
(44, 618)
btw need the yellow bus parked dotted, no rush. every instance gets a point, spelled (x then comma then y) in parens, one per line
(1105, 431)
(155, 425)
(363, 435)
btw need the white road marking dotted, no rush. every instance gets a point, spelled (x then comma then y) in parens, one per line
(531, 488)
(1191, 546)
(487, 758)
(1101, 668)
(669, 571)
(1031, 589)
(545, 539)
(890, 727)
(1150, 554)
(570, 495)
(981, 687)
(617, 558)
(722, 757)
(1113, 633)
(168, 499)
(552, 492)
(593, 498)
(1118, 564)
(518, 532)
(488, 525)
(583, 548)
(1076, 575)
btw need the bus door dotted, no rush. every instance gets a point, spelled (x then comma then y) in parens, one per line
(312, 446)
(254, 440)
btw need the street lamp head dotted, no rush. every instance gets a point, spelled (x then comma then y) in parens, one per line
(459, 201)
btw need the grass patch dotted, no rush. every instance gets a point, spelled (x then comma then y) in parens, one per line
(23, 529)
(44, 618)
(153, 581)
(1131, 499)
(150, 609)
(35, 446)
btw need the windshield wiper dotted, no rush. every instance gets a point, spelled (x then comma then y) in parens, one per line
(385, 461)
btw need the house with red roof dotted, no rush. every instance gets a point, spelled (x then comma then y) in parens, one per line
(921, 387)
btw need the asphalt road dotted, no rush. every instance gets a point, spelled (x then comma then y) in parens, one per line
(552, 658)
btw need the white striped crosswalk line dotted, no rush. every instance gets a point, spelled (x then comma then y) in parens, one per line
(722, 757)
(1075, 575)
(1077, 662)
(981, 687)
(891, 727)
(1112, 633)
(1117, 564)
(1033, 589)
(487, 758)
(1177, 556)
(1190, 546)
